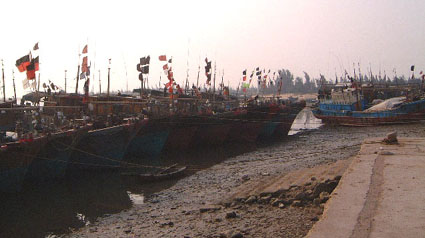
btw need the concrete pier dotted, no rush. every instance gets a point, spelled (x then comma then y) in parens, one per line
(381, 194)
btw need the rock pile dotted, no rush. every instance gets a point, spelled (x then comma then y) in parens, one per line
(312, 193)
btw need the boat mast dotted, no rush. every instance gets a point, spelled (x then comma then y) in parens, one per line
(65, 81)
(78, 72)
(222, 83)
(14, 87)
(4, 86)
(215, 72)
(109, 77)
(100, 85)
(197, 79)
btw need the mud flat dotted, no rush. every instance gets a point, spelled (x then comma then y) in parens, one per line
(248, 195)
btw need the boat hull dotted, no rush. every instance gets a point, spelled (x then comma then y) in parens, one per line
(101, 149)
(406, 113)
(15, 159)
(53, 158)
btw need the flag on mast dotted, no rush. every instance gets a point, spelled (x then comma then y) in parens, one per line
(85, 49)
(35, 46)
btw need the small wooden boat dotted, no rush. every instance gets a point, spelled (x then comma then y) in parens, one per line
(172, 172)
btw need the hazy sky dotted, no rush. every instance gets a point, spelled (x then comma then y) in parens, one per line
(299, 35)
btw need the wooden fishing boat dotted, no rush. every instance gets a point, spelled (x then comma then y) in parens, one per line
(169, 173)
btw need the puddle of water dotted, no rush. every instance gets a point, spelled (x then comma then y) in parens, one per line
(136, 199)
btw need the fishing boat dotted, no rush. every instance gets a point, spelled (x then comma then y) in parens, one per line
(53, 159)
(169, 173)
(348, 106)
(157, 174)
(15, 159)
(102, 149)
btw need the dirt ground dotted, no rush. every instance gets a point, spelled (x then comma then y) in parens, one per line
(285, 197)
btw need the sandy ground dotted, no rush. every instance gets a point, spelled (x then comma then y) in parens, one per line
(212, 202)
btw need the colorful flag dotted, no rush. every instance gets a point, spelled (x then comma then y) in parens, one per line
(145, 69)
(145, 60)
(85, 49)
(35, 46)
(162, 58)
(31, 71)
(23, 62)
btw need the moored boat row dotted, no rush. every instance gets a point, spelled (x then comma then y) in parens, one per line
(135, 140)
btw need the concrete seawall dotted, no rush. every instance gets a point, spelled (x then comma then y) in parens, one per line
(381, 194)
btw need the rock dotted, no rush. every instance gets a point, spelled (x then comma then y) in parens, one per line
(237, 235)
(313, 178)
(386, 153)
(300, 196)
(391, 138)
(338, 177)
(307, 184)
(324, 187)
(297, 203)
(316, 201)
(315, 218)
(275, 202)
(245, 177)
(265, 199)
(251, 199)
(218, 220)
(127, 231)
(281, 205)
(231, 215)
(323, 197)
(170, 223)
(209, 208)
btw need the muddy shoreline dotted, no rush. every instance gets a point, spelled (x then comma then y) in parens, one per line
(177, 211)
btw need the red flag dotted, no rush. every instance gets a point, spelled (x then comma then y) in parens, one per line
(244, 78)
(162, 58)
(85, 50)
(84, 67)
(170, 75)
(23, 62)
(165, 67)
(31, 71)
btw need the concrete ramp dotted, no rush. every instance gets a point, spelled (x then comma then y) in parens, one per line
(381, 194)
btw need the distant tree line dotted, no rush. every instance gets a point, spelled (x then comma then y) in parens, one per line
(286, 82)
